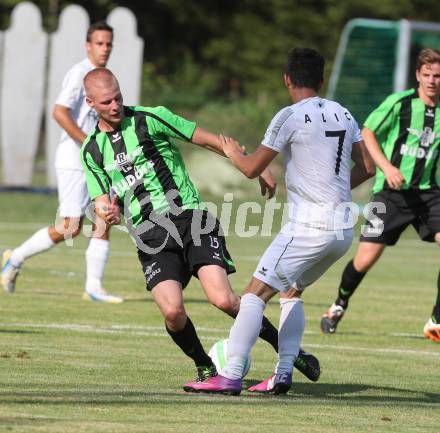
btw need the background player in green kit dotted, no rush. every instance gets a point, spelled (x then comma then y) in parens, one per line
(403, 137)
(129, 152)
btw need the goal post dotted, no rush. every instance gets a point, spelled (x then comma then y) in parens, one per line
(375, 58)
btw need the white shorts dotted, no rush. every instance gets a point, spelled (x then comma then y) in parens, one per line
(73, 196)
(299, 260)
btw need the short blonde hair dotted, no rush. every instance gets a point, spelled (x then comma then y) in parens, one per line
(99, 77)
(428, 56)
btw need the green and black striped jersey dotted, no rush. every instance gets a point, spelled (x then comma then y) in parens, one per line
(140, 163)
(409, 134)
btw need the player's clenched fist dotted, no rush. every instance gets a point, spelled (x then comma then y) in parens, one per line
(108, 211)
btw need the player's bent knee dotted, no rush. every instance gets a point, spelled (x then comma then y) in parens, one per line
(174, 314)
(65, 229)
(58, 234)
(76, 232)
(69, 233)
(229, 304)
(101, 231)
(223, 301)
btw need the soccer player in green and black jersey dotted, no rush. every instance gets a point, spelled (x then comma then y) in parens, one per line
(129, 152)
(403, 137)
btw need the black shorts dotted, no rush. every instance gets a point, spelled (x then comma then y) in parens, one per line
(176, 249)
(419, 208)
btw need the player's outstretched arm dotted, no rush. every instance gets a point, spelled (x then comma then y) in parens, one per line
(208, 140)
(215, 143)
(62, 116)
(251, 165)
(363, 167)
(393, 175)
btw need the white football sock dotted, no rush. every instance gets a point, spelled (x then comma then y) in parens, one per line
(244, 334)
(290, 332)
(96, 259)
(40, 241)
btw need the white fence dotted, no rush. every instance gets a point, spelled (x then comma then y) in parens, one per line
(32, 67)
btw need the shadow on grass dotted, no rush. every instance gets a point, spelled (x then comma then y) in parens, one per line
(303, 394)
(350, 393)
(18, 331)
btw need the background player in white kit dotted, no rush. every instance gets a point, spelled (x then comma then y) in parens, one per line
(77, 119)
(318, 138)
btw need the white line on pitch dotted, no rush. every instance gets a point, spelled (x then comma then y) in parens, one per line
(404, 334)
(152, 331)
(374, 350)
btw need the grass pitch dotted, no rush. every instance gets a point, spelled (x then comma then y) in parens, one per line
(67, 365)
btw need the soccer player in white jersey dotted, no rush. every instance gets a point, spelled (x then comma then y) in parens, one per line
(319, 139)
(77, 119)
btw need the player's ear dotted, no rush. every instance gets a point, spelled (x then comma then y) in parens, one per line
(418, 75)
(89, 101)
(287, 81)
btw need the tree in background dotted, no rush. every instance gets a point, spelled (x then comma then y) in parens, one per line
(198, 49)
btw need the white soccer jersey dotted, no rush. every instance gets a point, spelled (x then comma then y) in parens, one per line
(316, 136)
(73, 96)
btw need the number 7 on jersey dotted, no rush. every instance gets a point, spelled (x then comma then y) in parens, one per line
(341, 137)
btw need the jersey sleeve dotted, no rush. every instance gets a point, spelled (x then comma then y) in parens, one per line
(165, 123)
(356, 132)
(96, 178)
(279, 131)
(71, 90)
(380, 120)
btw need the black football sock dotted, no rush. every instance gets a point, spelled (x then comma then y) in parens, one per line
(436, 309)
(269, 333)
(189, 342)
(350, 280)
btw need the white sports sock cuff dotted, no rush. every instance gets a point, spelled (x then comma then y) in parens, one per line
(100, 245)
(98, 249)
(250, 298)
(284, 301)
